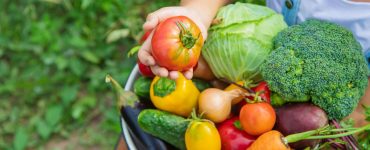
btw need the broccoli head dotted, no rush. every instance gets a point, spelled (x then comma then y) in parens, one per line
(318, 61)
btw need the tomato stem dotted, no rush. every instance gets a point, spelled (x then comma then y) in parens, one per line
(187, 39)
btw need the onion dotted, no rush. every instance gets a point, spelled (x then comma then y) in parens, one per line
(215, 104)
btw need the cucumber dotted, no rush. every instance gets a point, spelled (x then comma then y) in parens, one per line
(166, 126)
(142, 87)
(201, 84)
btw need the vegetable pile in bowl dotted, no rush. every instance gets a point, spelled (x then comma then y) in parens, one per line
(257, 85)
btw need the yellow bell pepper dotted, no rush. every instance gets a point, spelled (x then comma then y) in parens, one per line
(178, 96)
(202, 135)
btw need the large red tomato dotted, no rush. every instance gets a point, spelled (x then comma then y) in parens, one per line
(176, 43)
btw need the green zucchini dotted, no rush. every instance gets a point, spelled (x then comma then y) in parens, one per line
(166, 126)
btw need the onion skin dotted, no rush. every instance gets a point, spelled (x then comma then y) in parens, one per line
(232, 86)
(216, 103)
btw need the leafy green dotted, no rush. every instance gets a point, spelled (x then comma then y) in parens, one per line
(364, 138)
(240, 40)
(20, 139)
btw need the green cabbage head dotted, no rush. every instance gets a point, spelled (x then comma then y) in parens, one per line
(240, 40)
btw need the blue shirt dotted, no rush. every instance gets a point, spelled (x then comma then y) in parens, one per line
(354, 16)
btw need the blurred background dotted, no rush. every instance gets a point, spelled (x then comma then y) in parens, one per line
(54, 55)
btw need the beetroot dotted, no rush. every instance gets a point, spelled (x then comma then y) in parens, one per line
(300, 117)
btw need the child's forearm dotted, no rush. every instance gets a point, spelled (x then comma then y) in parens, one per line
(206, 9)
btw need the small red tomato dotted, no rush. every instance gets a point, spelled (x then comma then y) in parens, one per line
(145, 70)
(233, 137)
(257, 118)
(176, 43)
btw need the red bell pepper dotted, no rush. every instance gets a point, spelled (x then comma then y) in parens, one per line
(263, 87)
(232, 137)
(265, 95)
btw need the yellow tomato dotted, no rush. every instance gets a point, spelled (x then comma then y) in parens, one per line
(202, 135)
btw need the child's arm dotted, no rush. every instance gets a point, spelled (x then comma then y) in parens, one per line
(201, 12)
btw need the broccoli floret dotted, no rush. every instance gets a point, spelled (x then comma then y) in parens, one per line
(318, 61)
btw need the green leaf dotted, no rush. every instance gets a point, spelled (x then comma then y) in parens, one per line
(68, 94)
(61, 63)
(86, 3)
(77, 67)
(238, 125)
(367, 112)
(53, 115)
(133, 51)
(347, 123)
(4, 68)
(91, 57)
(43, 129)
(117, 34)
(20, 139)
(77, 111)
(89, 101)
(1, 52)
(77, 40)
(82, 106)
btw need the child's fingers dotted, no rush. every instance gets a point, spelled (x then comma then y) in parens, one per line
(188, 74)
(146, 58)
(159, 71)
(154, 18)
(173, 75)
(144, 53)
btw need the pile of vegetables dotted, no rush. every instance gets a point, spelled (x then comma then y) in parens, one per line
(313, 74)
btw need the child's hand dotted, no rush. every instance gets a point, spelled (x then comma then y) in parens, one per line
(152, 21)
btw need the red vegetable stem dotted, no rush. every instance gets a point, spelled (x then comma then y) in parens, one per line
(349, 139)
(335, 144)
